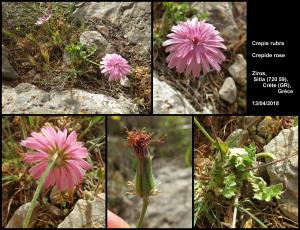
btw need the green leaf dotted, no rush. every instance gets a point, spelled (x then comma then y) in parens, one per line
(270, 155)
(263, 192)
(251, 152)
(230, 186)
(30, 120)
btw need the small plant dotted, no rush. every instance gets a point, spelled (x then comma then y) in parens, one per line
(79, 53)
(176, 11)
(231, 173)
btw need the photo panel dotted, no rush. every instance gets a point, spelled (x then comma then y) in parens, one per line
(200, 57)
(149, 171)
(76, 58)
(53, 171)
(245, 171)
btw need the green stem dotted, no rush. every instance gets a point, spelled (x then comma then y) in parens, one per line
(38, 190)
(144, 209)
(204, 131)
(254, 217)
(92, 62)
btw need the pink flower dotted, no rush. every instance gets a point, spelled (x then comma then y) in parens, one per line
(43, 19)
(194, 47)
(115, 67)
(69, 167)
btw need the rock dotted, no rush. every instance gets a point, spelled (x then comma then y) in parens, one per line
(207, 109)
(86, 214)
(239, 70)
(103, 30)
(8, 71)
(238, 138)
(286, 172)
(260, 140)
(163, 212)
(28, 99)
(95, 39)
(66, 58)
(228, 91)
(134, 19)
(18, 217)
(268, 126)
(168, 100)
(54, 210)
(221, 16)
(125, 82)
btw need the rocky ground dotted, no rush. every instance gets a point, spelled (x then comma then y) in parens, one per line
(215, 93)
(124, 28)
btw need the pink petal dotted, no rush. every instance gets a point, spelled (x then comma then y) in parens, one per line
(77, 174)
(81, 163)
(32, 143)
(37, 170)
(71, 138)
(35, 157)
(50, 180)
(60, 180)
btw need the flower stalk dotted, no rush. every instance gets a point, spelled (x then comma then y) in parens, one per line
(144, 182)
(38, 191)
(144, 209)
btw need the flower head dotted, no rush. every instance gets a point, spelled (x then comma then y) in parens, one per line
(140, 140)
(43, 19)
(194, 47)
(69, 166)
(114, 66)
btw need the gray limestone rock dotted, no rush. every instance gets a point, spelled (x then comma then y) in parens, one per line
(239, 70)
(228, 90)
(94, 39)
(221, 16)
(286, 172)
(86, 214)
(28, 99)
(167, 100)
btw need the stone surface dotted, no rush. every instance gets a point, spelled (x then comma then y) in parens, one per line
(86, 214)
(167, 100)
(221, 16)
(28, 99)
(95, 39)
(8, 71)
(286, 172)
(228, 90)
(133, 17)
(125, 82)
(18, 217)
(172, 206)
(238, 138)
(238, 70)
(207, 109)
(268, 126)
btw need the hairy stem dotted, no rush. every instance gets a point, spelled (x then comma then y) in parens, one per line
(236, 200)
(38, 190)
(144, 209)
